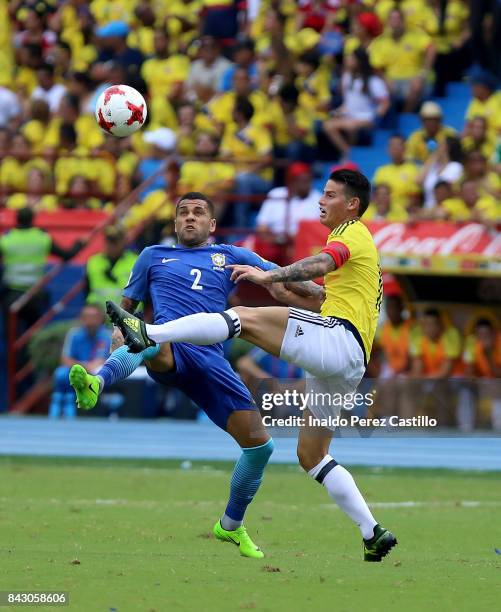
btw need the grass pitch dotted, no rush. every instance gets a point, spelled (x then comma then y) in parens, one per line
(131, 536)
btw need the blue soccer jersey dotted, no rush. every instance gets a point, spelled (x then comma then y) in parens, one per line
(180, 281)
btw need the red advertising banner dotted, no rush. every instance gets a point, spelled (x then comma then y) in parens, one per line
(426, 248)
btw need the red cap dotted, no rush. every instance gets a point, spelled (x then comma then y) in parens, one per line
(296, 169)
(371, 23)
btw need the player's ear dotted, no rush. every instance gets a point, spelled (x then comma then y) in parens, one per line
(212, 226)
(354, 204)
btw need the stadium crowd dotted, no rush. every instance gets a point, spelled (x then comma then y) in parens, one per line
(233, 89)
(235, 92)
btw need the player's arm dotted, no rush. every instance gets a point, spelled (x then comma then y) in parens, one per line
(302, 270)
(307, 301)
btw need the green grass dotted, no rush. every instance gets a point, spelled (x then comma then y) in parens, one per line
(140, 531)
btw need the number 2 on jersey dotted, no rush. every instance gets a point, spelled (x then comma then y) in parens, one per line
(198, 275)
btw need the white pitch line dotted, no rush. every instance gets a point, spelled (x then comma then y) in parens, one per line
(149, 504)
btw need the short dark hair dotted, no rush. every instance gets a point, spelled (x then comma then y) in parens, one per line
(356, 185)
(24, 217)
(197, 195)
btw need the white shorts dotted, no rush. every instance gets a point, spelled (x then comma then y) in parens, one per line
(331, 355)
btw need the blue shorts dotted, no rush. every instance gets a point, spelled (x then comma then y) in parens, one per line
(206, 377)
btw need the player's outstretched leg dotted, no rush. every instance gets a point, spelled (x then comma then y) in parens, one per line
(313, 446)
(133, 329)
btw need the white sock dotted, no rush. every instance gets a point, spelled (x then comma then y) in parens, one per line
(343, 490)
(201, 328)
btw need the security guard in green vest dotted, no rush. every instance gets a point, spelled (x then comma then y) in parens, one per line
(24, 252)
(109, 271)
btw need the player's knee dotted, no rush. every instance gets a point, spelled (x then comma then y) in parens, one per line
(309, 457)
(247, 316)
(261, 454)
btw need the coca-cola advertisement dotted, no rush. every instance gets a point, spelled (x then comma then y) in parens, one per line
(432, 247)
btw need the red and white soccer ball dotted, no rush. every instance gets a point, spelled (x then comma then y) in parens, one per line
(121, 110)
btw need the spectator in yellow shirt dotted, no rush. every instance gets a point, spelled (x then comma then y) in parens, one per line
(401, 175)
(424, 142)
(291, 127)
(313, 84)
(477, 169)
(207, 174)
(442, 191)
(16, 165)
(89, 135)
(36, 127)
(36, 195)
(382, 208)
(477, 138)
(486, 102)
(405, 57)
(447, 25)
(250, 148)
(186, 132)
(220, 109)
(164, 69)
(471, 206)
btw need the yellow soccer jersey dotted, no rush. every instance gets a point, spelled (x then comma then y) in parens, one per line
(354, 291)
(402, 180)
(402, 59)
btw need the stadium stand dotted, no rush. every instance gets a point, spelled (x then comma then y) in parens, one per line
(237, 91)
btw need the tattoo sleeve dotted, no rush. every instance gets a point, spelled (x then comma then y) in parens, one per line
(303, 270)
(306, 289)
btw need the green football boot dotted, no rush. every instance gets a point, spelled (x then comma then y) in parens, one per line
(240, 538)
(86, 387)
(132, 328)
(379, 545)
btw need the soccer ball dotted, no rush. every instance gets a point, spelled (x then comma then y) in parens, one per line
(121, 110)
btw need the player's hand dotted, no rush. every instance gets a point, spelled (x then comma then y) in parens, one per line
(250, 273)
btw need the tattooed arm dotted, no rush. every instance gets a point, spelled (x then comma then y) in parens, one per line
(300, 299)
(302, 270)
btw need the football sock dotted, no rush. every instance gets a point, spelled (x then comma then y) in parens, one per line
(201, 328)
(343, 490)
(247, 477)
(121, 364)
